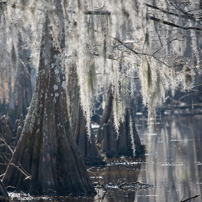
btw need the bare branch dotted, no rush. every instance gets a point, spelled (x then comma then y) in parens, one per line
(182, 11)
(138, 53)
(173, 24)
(2, 175)
(125, 45)
(4, 141)
(24, 173)
(165, 45)
(164, 11)
(26, 70)
(20, 168)
(185, 15)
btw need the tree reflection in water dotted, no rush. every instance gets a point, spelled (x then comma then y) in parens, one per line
(116, 173)
(174, 160)
(173, 165)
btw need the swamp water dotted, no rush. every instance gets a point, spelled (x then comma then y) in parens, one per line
(170, 172)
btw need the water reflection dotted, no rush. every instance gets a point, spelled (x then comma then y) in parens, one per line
(173, 165)
(116, 173)
(174, 161)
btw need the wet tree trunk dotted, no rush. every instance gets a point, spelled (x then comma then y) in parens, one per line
(73, 94)
(107, 136)
(3, 191)
(46, 148)
(87, 145)
(19, 124)
(106, 115)
(23, 89)
(6, 135)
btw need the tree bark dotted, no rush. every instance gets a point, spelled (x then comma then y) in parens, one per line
(107, 135)
(6, 135)
(106, 114)
(23, 88)
(73, 94)
(46, 148)
(3, 191)
(87, 145)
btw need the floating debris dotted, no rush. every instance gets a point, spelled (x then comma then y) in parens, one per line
(172, 164)
(134, 186)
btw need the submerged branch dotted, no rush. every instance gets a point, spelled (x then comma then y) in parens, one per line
(190, 198)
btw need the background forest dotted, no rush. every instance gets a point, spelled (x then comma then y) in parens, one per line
(69, 66)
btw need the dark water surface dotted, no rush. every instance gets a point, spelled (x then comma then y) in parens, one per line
(173, 165)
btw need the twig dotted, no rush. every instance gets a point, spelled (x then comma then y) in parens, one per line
(10, 187)
(22, 170)
(190, 198)
(2, 175)
(20, 166)
(173, 24)
(185, 14)
(138, 53)
(25, 174)
(29, 75)
(164, 11)
(190, 16)
(165, 45)
(3, 156)
(90, 169)
(52, 190)
(4, 141)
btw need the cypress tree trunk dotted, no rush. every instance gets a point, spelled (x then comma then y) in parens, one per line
(87, 146)
(3, 191)
(23, 89)
(107, 136)
(6, 135)
(106, 114)
(46, 148)
(73, 94)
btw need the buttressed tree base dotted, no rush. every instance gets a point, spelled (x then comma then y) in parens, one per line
(46, 149)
